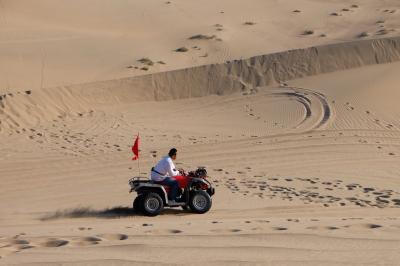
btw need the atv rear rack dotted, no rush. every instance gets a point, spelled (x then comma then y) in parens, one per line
(133, 182)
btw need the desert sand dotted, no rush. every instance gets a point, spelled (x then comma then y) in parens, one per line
(291, 105)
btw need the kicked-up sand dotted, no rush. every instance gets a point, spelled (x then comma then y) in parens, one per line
(294, 111)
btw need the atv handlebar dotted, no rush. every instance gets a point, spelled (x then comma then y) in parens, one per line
(182, 171)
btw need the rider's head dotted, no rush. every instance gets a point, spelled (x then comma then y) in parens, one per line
(172, 153)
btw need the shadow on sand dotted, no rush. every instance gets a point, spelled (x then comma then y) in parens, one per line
(108, 213)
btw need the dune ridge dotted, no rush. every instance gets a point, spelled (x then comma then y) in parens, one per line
(25, 107)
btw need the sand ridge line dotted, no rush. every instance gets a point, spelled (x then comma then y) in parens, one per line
(235, 76)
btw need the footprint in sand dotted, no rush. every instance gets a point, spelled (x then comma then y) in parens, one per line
(113, 236)
(54, 243)
(226, 230)
(19, 242)
(365, 226)
(396, 201)
(15, 245)
(164, 231)
(323, 228)
(175, 231)
(86, 241)
(332, 228)
(279, 228)
(371, 226)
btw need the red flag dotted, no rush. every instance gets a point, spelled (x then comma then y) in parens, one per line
(135, 148)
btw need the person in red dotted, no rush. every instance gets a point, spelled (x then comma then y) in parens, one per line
(163, 173)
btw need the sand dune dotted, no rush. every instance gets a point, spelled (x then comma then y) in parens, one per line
(291, 105)
(18, 107)
(304, 177)
(56, 43)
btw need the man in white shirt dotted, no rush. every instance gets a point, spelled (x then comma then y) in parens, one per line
(164, 172)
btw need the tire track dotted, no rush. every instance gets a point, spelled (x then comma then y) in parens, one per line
(312, 101)
(327, 109)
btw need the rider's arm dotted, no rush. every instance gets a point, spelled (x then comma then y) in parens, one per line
(171, 169)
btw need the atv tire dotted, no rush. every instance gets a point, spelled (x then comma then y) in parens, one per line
(152, 204)
(200, 201)
(138, 203)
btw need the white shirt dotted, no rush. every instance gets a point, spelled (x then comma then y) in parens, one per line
(165, 167)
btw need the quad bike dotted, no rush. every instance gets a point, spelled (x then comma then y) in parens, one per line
(195, 193)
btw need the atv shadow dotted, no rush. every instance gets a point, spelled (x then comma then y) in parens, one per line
(108, 213)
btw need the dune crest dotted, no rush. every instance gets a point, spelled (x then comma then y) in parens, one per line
(20, 108)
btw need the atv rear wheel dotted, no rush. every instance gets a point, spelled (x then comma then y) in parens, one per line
(200, 201)
(152, 204)
(138, 203)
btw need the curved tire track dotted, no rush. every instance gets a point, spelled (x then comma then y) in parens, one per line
(309, 98)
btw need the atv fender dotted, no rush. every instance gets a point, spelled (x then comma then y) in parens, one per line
(201, 181)
(148, 187)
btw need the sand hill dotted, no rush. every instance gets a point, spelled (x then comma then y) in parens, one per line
(291, 105)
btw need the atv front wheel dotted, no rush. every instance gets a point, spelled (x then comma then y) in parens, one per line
(152, 204)
(200, 201)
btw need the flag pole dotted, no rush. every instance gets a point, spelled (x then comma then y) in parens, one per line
(138, 163)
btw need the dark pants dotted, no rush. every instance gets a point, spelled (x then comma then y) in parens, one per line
(174, 187)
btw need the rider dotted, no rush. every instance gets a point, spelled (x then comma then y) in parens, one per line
(164, 172)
